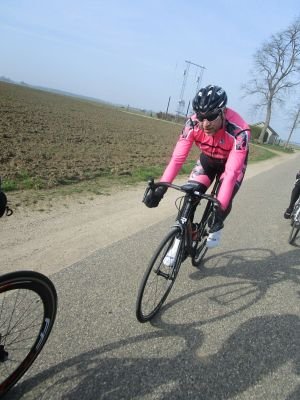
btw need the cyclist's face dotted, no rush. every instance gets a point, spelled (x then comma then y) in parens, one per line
(211, 127)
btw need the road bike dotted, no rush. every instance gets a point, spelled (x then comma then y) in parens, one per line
(295, 222)
(28, 306)
(185, 239)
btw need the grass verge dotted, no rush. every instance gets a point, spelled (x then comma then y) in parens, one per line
(33, 195)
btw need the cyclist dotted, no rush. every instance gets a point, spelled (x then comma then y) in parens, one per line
(294, 197)
(4, 209)
(222, 137)
(3, 203)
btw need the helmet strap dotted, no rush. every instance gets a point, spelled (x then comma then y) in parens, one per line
(222, 117)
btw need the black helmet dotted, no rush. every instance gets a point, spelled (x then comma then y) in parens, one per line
(209, 99)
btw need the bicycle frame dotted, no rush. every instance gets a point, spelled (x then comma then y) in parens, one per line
(163, 267)
(192, 196)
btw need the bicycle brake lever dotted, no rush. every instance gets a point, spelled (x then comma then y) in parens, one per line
(151, 183)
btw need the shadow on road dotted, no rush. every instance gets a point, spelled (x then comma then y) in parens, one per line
(258, 348)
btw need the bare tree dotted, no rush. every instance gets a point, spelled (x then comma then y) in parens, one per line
(276, 69)
(295, 125)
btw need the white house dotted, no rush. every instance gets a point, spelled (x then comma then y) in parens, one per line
(271, 137)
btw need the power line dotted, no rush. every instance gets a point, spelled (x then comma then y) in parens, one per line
(199, 70)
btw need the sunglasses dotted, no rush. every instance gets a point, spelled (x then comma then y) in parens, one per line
(209, 117)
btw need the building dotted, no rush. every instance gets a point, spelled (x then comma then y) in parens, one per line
(271, 137)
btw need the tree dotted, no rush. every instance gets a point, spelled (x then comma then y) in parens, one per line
(295, 125)
(276, 69)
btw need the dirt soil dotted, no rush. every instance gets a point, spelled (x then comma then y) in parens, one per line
(51, 240)
(48, 140)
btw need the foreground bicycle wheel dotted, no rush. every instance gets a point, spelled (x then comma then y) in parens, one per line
(158, 278)
(28, 304)
(294, 232)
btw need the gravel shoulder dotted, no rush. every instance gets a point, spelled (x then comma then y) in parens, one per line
(48, 241)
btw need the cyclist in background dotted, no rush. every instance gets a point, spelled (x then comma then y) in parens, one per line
(294, 197)
(3, 203)
(4, 209)
(222, 137)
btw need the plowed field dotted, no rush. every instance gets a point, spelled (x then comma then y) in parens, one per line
(49, 139)
(57, 139)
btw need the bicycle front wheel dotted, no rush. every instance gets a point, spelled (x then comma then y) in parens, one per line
(159, 277)
(294, 232)
(28, 304)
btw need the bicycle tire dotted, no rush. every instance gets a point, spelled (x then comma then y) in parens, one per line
(150, 296)
(200, 248)
(28, 305)
(294, 232)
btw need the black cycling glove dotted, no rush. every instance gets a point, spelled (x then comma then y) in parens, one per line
(154, 197)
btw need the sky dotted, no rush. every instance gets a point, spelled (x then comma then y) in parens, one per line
(135, 52)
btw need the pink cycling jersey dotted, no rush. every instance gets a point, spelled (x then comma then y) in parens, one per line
(229, 144)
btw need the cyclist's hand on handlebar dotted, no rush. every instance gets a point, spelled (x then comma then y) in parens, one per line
(154, 197)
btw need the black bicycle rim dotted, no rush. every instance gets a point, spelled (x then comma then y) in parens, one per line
(28, 304)
(158, 279)
(293, 233)
(200, 252)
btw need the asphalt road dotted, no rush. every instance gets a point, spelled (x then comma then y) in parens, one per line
(229, 330)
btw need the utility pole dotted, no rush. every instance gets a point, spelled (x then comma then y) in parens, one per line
(200, 70)
(166, 115)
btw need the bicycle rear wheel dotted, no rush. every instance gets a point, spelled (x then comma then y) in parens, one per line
(28, 304)
(199, 246)
(294, 232)
(159, 278)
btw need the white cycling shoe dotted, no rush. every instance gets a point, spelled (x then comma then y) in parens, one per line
(214, 239)
(171, 254)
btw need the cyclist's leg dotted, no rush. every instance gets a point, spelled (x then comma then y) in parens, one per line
(224, 214)
(202, 175)
(221, 214)
(294, 197)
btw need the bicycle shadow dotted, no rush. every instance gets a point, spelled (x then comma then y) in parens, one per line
(250, 274)
(256, 266)
(256, 350)
(260, 266)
